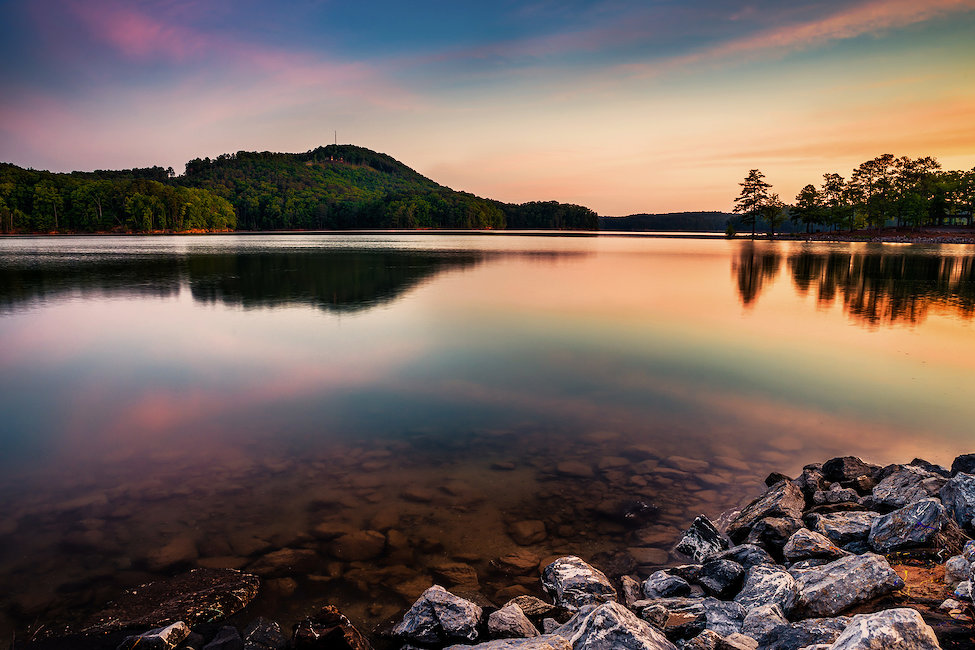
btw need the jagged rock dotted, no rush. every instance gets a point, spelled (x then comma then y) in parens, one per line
(958, 496)
(963, 590)
(774, 478)
(964, 464)
(227, 638)
(769, 585)
(549, 625)
(909, 527)
(783, 500)
(803, 634)
(892, 629)
(702, 540)
(833, 496)
(846, 468)
(771, 533)
(610, 626)
(655, 615)
(968, 550)
(844, 527)
(931, 467)
(906, 484)
(193, 641)
(723, 617)
(285, 561)
(510, 622)
(573, 583)
(835, 587)
(661, 584)
(632, 590)
(721, 578)
(263, 634)
(686, 616)
(330, 629)
(546, 642)
(439, 616)
(806, 544)
(761, 620)
(160, 638)
(747, 555)
(711, 640)
(957, 568)
(200, 596)
(536, 608)
(811, 481)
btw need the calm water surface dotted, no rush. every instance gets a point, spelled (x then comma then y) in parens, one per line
(224, 397)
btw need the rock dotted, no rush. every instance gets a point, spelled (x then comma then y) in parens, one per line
(842, 495)
(846, 468)
(438, 617)
(178, 552)
(655, 615)
(536, 607)
(632, 513)
(610, 626)
(575, 469)
(510, 622)
(455, 573)
(835, 587)
(546, 642)
(774, 478)
(711, 640)
(963, 590)
(968, 550)
(725, 618)
(912, 526)
(964, 464)
(358, 546)
(844, 527)
(692, 465)
(769, 585)
(893, 629)
(803, 634)
(648, 556)
(761, 620)
(518, 563)
(905, 485)
(685, 616)
(721, 578)
(573, 583)
(661, 584)
(200, 596)
(527, 532)
(227, 638)
(783, 500)
(160, 638)
(747, 555)
(806, 544)
(633, 590)
(702, 540)
(329, 629)
(811, 481)
(957, 568)
(418, 494)
(958, 496)
(263, 634)
(771, 533)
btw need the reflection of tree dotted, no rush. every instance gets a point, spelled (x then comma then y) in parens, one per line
(888, 286)
(755, 265)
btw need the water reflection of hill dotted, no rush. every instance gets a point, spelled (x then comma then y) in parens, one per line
(338, 281)
(876, 287)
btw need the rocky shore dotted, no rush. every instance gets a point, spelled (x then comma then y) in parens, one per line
(847, 555)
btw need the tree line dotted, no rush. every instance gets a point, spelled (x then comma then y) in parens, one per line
(885, 191)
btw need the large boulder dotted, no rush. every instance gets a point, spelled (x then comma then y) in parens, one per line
(769, 585)
(913, 526)
(833, 588)
(702, 540)
(801, 634)
(806, 545)
(846, 468)
(662, 584)
(510, 622)
(329, 629)
(723, 617)
(958, 496)
(964, 464)
(906, 484)
(844, 527)
(573, 583)
(892, 629)
(782, 500)
(610, 626)
(439, 617)
(721, 578)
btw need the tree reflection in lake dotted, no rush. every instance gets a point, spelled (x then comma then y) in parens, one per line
(880, 285)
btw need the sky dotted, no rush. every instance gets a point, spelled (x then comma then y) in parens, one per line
(624, 106)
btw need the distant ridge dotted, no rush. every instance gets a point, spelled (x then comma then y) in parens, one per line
(687, 221)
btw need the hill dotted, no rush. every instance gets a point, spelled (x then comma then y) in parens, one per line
(685, 221)
(333, 187)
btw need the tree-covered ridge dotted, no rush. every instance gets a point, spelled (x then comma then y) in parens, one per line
(329, 188)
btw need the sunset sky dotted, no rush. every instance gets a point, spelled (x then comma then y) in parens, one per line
(624, 106)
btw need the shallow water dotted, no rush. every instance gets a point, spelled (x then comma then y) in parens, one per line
(228, 396)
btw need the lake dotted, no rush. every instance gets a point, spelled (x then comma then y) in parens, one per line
(477, 402)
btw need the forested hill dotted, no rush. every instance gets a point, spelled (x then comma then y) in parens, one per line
(332, 187)
(686, 221)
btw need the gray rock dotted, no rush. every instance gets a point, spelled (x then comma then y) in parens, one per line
(893, 629)
(721, 578)
(905, 485)
(546, 642)
(806, 544)
(811, 481)
(573, 583)
(844, 527)
(761, 620)
(510, 622)
(834, 496)
(711, 640)
(964, 464)
(662, 584)
(957, 568)
(549, 625)
(632, 590)
(909, 527)
(963, 590)
(160, 638)
(702, 540)
(609, 626)
(846, 468)
(439, 616)
(958, 496)
(263, 634)
(771, 533)
(968, 550)
(227, 638)
(782, 500)
(803, 634)
(769, 585)
(835, 587)
(747, 555)
(723, 617)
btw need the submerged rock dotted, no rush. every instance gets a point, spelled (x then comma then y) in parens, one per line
(835, 587)
(893, 629)
(702, 540)
(610, 626)
(573, 583)
(330, 629)
(227, 638)
(439, 616)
